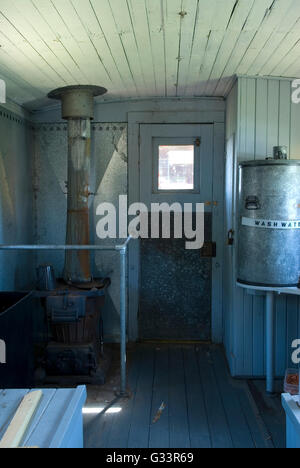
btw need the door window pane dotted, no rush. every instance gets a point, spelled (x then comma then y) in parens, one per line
(176, 168)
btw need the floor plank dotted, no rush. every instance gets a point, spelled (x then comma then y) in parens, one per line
(259, 432)
(159, 430)
(111, 430)
(239, 429)
(198, 421)
(121, 424)
(141, 413)
(271, 412)
(218, 424)
(204, 406)
(178, 413)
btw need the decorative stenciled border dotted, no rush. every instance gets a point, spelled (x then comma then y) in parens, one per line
(62, 126)
(14, 118)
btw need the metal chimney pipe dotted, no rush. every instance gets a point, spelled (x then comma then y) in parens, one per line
(78, 110)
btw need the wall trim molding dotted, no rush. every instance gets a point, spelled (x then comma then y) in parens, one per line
(268, 77)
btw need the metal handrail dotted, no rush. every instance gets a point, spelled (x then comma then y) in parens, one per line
(65, 247)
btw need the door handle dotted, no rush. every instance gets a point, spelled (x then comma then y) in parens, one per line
(252, 203)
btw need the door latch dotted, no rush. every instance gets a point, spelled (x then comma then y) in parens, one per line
(230, 237)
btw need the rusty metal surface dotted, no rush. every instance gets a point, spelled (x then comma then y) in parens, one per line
(85, 330)
(77, 264)
(78, 110)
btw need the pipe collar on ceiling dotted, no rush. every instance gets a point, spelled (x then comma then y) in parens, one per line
(77, 101)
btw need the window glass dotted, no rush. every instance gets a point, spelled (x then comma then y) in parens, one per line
(176, 168)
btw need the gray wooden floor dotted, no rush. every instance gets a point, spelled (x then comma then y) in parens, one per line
(204, 406)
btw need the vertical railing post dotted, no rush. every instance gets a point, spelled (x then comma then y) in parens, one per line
(270, 340)
(123, 318)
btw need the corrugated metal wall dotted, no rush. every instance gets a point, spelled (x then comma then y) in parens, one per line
(260, 115)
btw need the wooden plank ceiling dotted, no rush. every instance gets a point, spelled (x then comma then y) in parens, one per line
(144, 48)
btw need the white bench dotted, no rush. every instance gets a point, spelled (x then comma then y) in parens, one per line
(57, 422)
(292, 411)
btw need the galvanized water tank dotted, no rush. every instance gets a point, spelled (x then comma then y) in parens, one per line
(269, 223)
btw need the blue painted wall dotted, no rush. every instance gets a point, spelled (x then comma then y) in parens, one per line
(260, 115)
(16, 201)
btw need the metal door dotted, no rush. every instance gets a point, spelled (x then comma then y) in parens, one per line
(176, 166)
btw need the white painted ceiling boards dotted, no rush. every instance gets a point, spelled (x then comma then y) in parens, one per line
(144, 48)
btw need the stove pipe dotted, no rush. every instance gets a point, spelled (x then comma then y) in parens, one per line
(78, 110)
